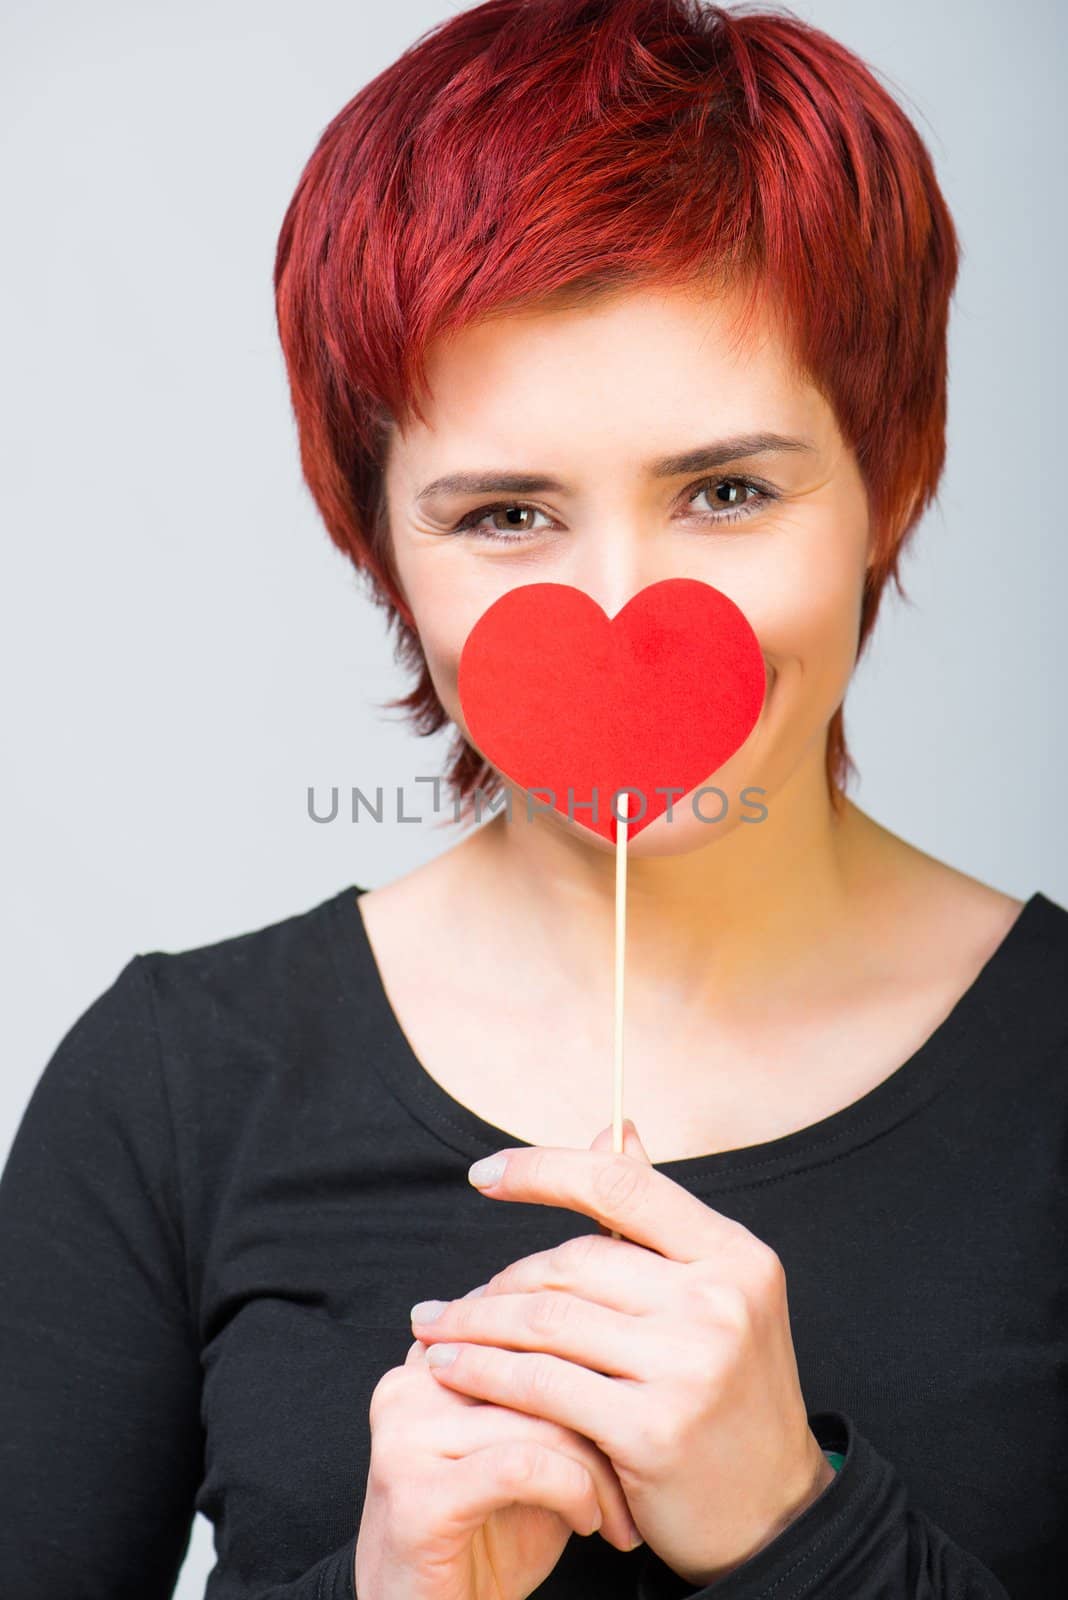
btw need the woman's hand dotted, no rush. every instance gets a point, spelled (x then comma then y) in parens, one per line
(669, 1348)
(469, 1501)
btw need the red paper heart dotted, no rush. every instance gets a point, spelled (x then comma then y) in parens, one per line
(557, 696)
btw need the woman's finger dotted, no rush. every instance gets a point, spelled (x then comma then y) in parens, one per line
(566, 1325)
(486, 1424)
(426, 1400)
(610, 1411)
(416, 1356)
(632, 1145)
(622, 1192)
(452, 1424)
(522, 1472)
(612, 1272)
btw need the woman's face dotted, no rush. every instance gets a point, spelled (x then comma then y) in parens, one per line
(606, 401)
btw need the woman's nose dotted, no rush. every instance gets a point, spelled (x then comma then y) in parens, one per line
(613, 563)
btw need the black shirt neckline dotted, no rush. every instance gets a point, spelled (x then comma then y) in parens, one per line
(1015, 962)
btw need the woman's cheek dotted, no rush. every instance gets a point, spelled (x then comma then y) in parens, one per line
(442, 631)
(812, 616)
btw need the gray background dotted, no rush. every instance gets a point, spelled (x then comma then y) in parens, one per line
(185, 652)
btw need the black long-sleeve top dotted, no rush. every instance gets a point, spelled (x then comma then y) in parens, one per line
(234, 1178)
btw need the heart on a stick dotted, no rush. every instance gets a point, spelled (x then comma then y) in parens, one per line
(561, 698)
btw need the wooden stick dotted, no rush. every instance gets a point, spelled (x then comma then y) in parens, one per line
(621, 943)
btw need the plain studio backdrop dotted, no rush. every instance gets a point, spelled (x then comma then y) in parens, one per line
(185, 653)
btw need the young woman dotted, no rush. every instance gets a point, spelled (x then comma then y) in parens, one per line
(597, 292)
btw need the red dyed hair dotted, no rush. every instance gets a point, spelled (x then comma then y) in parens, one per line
(537, 151)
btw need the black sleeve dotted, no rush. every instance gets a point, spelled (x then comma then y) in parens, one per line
(101, 1450)
(860, 1540)
(330, 1579)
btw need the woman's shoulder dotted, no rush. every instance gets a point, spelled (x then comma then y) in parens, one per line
(254, 1001)
(1035, 922)
(1038, 941)
(1020, 995)
(267, 964)
(1019, 941)
(950, 922)
(996, 963)
(168, 1063)
(1049, 917)
(189, 1024)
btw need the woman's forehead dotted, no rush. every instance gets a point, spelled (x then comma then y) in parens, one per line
(652, 360)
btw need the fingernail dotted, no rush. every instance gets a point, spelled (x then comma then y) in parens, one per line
(487, 1171)
(439, 1355)
(472, 1293)
(635, 1538)
(428, 1310)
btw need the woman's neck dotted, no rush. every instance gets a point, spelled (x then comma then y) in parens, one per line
(760, 900)
(767, 983)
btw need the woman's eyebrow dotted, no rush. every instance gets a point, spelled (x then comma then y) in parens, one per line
(704, 458)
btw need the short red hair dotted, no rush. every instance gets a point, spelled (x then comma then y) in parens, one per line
(531, 151)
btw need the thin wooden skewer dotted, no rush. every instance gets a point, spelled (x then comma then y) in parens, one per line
(620, 950)
(621, 942)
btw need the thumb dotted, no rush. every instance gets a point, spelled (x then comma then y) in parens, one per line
(632, 1145)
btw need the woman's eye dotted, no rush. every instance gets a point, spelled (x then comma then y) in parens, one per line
(509, 521)
(516, 520)
(731, 498)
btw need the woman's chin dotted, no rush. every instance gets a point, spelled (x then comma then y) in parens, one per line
(697, 821)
